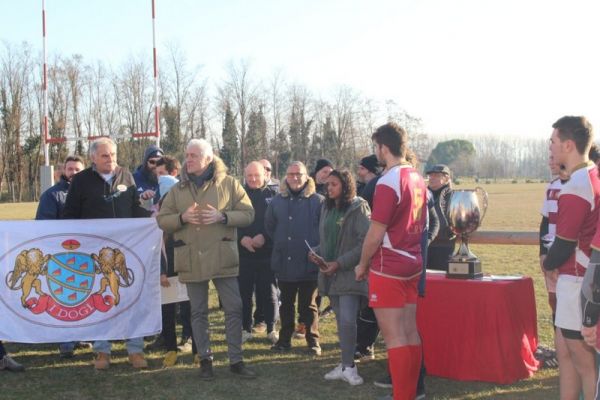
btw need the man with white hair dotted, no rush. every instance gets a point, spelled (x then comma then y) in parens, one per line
(106, 190)
(202, 212)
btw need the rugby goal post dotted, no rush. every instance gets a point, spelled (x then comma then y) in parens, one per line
(47, 171)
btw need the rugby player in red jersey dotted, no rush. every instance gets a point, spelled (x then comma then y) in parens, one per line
(391, 257)
(568, 257)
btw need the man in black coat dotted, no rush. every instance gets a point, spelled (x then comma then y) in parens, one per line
(255, 249)
(106, 190)
(442, 247)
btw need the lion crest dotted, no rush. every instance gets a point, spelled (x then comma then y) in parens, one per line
(28, 266)
(111, 264)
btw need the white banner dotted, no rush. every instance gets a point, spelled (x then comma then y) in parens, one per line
(66, 280)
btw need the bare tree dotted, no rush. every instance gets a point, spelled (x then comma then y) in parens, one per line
(276, 103)
(243, 90)
(14, 84)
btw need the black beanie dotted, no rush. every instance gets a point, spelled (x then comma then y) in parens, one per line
(370, 163)
(322, 163)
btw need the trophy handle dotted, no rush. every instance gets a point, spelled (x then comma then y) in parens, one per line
(444, 197)
(484, 205)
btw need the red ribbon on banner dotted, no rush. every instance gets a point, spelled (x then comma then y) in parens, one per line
(77, 313)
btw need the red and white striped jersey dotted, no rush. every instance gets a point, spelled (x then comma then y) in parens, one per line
(578, 210)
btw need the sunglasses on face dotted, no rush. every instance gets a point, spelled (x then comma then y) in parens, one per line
(153, 161)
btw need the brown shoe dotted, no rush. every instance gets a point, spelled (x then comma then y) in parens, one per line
(300, 332)
(102, 361)
(137, 360)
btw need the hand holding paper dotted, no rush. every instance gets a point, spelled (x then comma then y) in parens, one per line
(314, 258)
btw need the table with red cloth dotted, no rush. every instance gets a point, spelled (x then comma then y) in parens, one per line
(478, 330)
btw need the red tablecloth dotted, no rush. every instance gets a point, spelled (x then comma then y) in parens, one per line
(476, 330)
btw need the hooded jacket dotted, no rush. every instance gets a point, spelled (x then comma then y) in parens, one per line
(205, 252)
(289, 221)
(355, 224)
(145, 179)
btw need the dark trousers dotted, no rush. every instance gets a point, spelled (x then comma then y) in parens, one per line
(307, 307)
(437, 257)
(2, 350)
(367, 330)
(185, 318)
(168, 326)
(257, 278)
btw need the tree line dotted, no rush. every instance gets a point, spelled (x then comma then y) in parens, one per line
(244, 115)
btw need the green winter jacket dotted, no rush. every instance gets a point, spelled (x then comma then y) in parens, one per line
(355, 224)
(204, 252)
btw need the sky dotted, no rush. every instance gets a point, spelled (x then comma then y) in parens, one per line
(465, 67)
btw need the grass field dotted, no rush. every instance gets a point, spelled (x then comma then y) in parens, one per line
(295, 375)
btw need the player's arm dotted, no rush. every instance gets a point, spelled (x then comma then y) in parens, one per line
(543, 232)
(572, 213)
(559, 253)
(372, 242)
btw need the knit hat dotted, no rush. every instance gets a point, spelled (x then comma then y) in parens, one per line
(322, 163)
(152, 151)
(165, 183)
(370, 163)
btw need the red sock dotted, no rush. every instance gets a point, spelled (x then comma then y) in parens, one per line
(404, 364)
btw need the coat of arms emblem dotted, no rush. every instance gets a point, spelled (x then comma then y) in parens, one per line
(69, 291)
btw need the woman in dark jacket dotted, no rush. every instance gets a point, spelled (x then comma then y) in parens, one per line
(343, 225)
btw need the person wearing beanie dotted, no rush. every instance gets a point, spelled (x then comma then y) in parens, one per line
(322, 170)
(145, 177)
(368, 169)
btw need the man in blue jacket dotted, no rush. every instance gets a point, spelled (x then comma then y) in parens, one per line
(51, 205)
(292, 219)
(52, 201)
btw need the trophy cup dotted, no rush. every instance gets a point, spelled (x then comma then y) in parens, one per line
(466, 209)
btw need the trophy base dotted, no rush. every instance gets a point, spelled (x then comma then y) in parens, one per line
(468, 269)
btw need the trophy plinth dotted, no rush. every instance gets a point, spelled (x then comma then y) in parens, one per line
(465, 213)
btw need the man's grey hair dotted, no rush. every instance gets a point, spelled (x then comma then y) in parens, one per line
(298, 164)
(203, 145)
(99, 142)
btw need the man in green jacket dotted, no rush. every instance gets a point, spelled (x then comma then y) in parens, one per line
(202, 212)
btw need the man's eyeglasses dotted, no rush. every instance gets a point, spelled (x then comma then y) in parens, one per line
(153, 161)
(267, 169)
(295, 175)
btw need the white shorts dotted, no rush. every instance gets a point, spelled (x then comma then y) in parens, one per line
(568, 302)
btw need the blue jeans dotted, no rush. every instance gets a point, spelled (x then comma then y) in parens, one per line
(67, 347)
(135, 345)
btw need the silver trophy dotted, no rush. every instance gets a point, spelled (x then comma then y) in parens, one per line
(465, 212)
